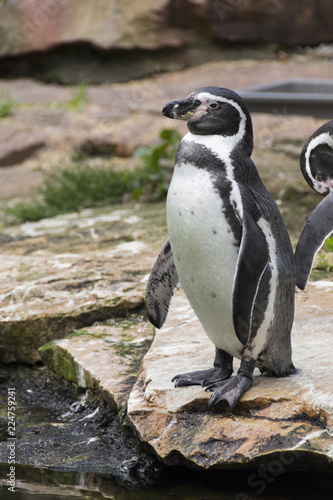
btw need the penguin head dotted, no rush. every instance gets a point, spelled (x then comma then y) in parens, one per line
(214, 111)
(316, 159)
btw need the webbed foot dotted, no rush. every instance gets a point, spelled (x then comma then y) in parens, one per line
(231, 390)
(201, 377)
(222, 370)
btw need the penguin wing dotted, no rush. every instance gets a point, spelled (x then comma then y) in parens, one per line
(252, 261)
(317, 228)
(162, 282)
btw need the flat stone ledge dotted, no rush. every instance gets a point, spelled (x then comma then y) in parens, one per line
(102, 357)
(70, 271)
(288, 417)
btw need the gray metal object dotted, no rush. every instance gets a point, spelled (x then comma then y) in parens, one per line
(291, 96)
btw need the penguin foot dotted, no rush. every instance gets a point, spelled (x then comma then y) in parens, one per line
(202, 377)
(221, 371)
(231, 390)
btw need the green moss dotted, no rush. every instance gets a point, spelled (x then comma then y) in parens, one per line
(60, 361)
(79, 98)
(79, 333)
(78, 458)
(7, 104)
(116, 300)
(21, 339)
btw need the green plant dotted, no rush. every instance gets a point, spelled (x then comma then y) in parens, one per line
(79, 98)
(157, 161)
(328, 245)
(323, 265)
(72, 188)
(7, 104)
(82, 186)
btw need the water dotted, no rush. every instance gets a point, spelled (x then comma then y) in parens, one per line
(177, 484)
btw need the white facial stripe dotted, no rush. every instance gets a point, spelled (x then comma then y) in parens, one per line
(211, 97)
(324, 138)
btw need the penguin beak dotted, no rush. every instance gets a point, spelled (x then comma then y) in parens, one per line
(182, 110)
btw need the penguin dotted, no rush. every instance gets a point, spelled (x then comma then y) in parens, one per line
(227, 246)
(316, 162)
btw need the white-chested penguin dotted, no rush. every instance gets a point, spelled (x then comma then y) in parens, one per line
(227, 246)
(316, 163)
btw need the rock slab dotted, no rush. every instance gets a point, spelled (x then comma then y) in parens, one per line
(289, 419)
(151, 24)
(34, 25)
(18, 145)
(102, 357)
(68, 272)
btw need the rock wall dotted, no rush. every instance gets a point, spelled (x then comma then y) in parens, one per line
(35, 25)
(300, 22)
(292, 23)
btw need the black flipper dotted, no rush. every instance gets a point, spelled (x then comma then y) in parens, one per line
(252, 261)
(162, 282)
(317, 228)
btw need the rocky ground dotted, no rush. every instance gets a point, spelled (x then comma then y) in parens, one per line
(82, 276)
(289, 418)
(44, 130)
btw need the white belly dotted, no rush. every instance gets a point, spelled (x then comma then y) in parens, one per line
(205, 252)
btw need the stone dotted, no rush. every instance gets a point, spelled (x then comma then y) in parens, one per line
(150, 24)
(38, 26)
(68, 272)
(105, 358)
(125, 138)
(131, 114)
(18, 145)
(253, 21)
(102, 144)
(22, 336)
(286, 420)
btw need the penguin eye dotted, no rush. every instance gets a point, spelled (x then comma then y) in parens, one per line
(214, 105)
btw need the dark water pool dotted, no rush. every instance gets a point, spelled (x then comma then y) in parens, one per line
(178, 484)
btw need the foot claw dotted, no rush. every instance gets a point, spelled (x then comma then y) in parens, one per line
(217, 383)
(229, 390)
(221, 370)
(186, 379)
(201, 377)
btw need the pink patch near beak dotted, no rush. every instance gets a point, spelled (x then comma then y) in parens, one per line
(200, 111)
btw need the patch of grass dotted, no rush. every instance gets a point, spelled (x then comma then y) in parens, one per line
(7, 104)
(79, 98)
(328, 245)
(323, 265)
(157, 162)
(80, 186)
(72, 188)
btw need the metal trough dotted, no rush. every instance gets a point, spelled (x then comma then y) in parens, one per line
(291, 96)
